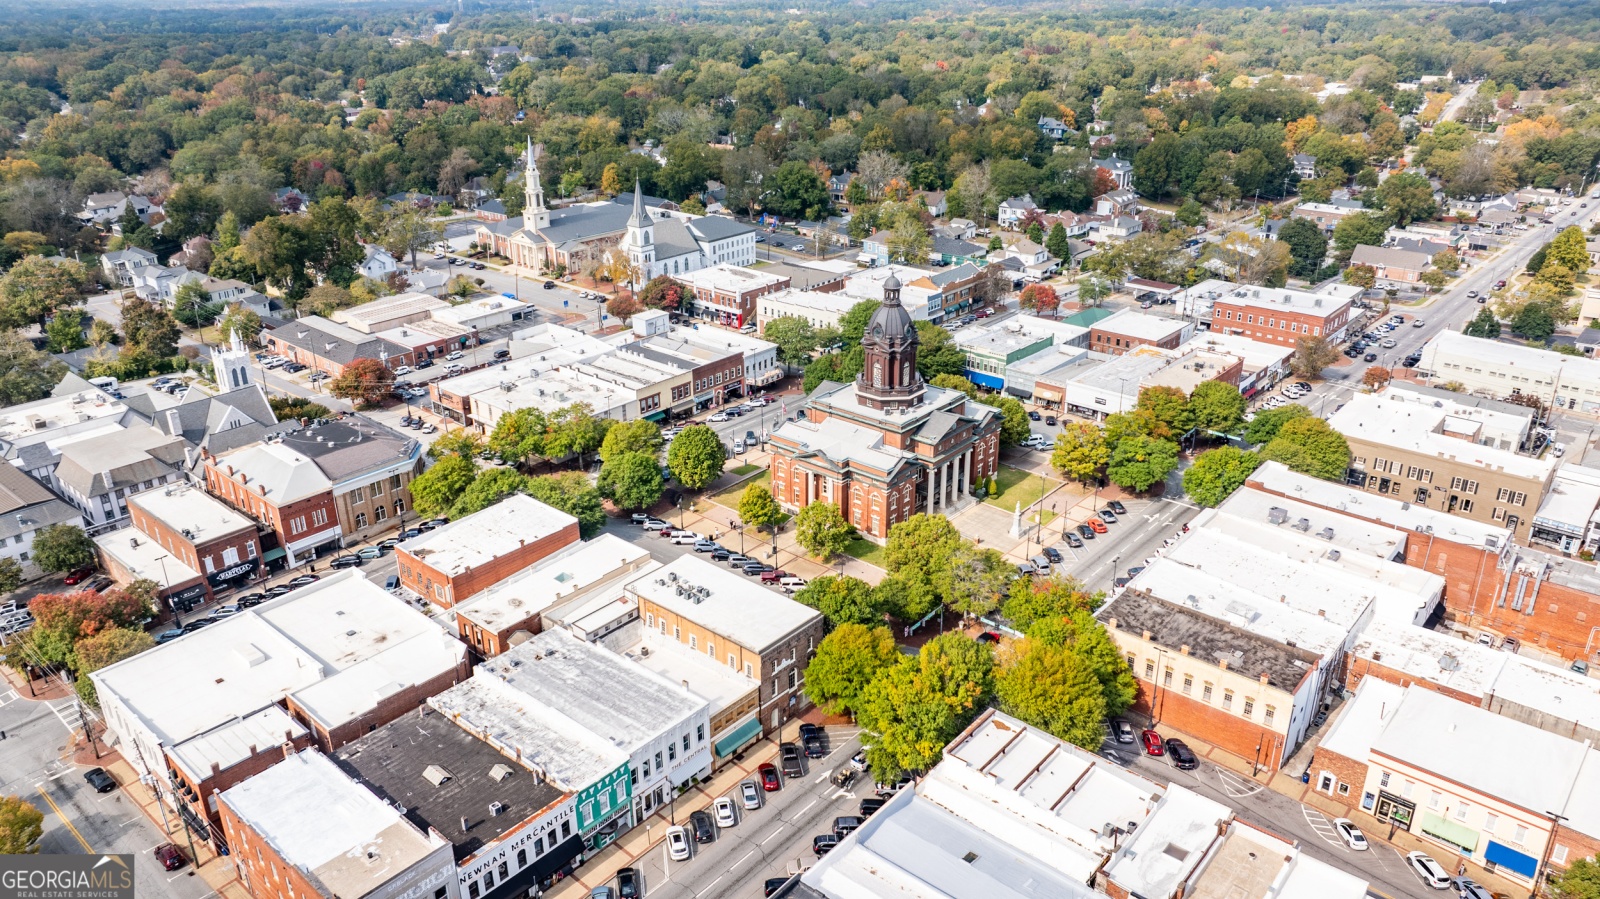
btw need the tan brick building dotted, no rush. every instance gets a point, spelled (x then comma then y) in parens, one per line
(1458, 454)
(727, 294)
(735, 621)
(451, 563)
(1280, 315)
(1126, 330)
(886, 446)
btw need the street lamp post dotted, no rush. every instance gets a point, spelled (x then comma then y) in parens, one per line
(166, 584)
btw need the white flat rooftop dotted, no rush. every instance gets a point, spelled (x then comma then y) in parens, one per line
(1284, 299)
(322, 822)
(1141, 325)
(737, 607)
(1168, 844)
(144, 557)
(507, 719)
(1276, 477)
(706, 678)
(1406, 422)
(191, 510)
(1429, 655)
(553, 581)
(1574, 495)
(338, 646)
(487, 534)
(1363, 718)
(1262, 615)
(1328, 527)
(1494, 354)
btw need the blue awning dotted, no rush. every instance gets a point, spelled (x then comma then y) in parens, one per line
(1506, 857)
(993, 382)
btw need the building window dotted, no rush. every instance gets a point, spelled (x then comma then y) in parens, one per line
(522, 858)
(699, 733)
(672, 752)
(1383, 780)
(361, 520)
(1558, 855)
(379, 513)
(1149, 669)
(1461, 811)
(1205, 693)
(1267, 717)
(1519, 834)
(1489, 822)
(399, 506)
(677, 634)
(319, 517)
(358, 495)
(1166, 678)
(1227, 699)
(694, 641)
(650, 620)
(1188, 684)
(1434, 798)
(1249, 705)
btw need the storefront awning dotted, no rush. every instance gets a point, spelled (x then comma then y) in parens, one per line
(272, 555)
(542, 867)
(1441, 828)
(737, 738)
(1506, 857)
(656, 416)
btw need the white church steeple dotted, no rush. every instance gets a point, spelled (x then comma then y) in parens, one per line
(534, 213)
(639, 240)
(231, 364)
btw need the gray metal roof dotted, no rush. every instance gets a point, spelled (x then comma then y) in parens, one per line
(350, 446)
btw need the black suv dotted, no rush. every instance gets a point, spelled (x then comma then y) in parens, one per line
(1085, 532)
(1182, 757)
(702, 827)
(1053, 554)
(811, 739)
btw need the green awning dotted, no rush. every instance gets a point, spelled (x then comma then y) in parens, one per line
(1441, 828)
(737, 738)
(273, 554)
(656, 416)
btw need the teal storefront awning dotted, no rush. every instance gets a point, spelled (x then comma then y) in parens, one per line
(1441, 828)
(273, 555)
(656, 416)
(1506, 857)
(738, 738)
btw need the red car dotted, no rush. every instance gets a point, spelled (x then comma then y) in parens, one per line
(170, 857)
(769, 778)
(79, 575)
(1152, 743)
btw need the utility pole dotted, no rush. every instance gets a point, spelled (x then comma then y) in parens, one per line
(83, 720)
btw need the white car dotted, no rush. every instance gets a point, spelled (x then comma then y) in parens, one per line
(1432, 873)
(750, 795)
(455, 355)
(1350, 834)
(678, 843)
(403, 370)
(738, 447)
(719, 416)
(724, 809)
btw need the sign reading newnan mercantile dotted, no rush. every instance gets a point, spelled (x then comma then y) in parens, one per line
(66, 876)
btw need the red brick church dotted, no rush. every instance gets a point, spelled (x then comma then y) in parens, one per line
(888, 445)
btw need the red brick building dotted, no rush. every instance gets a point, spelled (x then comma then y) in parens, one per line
(454, 562)
(727, 294)
(1126, 330)
(886, 446)
(283, 489)
(1280, 315)
(200, 532)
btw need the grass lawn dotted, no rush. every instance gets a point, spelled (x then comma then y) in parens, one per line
(731, 496)
(865, 550)
(1043, 518)
(1018, 486)
(743, 470)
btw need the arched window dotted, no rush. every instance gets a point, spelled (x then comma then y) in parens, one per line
(905, 373)
(877, 374)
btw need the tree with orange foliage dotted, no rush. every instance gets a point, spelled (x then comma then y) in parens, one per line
(1296, 132)
(1040, 298)
(62, 619)
(1376, 376)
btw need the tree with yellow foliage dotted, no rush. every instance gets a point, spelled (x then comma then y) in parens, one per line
(1295, 133)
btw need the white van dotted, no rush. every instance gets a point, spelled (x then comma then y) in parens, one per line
(685, 538)
(791, 583)
(1432, 873)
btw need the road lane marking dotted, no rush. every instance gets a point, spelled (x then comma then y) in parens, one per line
(771, 835)
(741, 859)
(62, 816)
(806, 809)
(708, 887)
(1322, 826)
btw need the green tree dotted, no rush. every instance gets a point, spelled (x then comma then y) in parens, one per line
(847, 662)
(1570, 248)
(1057, 243)
(1312, 355)
(149, 330)
(842, 600)
(696, 457)
(488, 488)
(1579, 881)
(105, 648)
(1051, 687)
(21, 826)
(63, 620)
(915, 706)
(938, 353)
(366, 382)
(1191, 213)
(574, 430)
(435, 491)
(1362, 228)
(10, 575)
(1484, 325)
(1169, 406)
(192, 306)
(1265, 425)
(571, 492)
(62, 547)
(631, 480)
(1014, 422)
(1407, 197)
(1309, 446)
(405, 229)
(37, 288)
(1032, 600)
(1081, 632)
(973, 581)
(291, 407)
(916, 553)
(955, 382)
(457, 442)
(239, 320)
(1537, 260)
(1081, 451)
(1363, 276)
(638, 436)
(1307, 246)
(795, 190)
(1139, 463)
(795, 337)
(758, 508)
(821, 530)
(25, 373)
(1217, 406)
(1217, 473)
(65, 332)
(519, 435)
(1534, 322)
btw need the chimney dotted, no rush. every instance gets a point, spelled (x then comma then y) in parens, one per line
(1147, 634)
(1223, 664)
(1265, 678)
(1111, 624)
(1184, 649)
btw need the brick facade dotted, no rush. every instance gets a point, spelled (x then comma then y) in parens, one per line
(289, 522)
(201, 794)
(1282, 326)
(387, 709)
(443, 589)
(1117, 343)
(263, 871)
(1168, 708)
(1338, 777)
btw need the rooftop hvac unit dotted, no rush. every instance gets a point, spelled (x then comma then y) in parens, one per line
(495, 808)
(1303, 525)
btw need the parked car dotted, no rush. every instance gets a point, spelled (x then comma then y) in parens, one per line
(1072, 540)
(1117, 507)
(678, 843)
(368, 553)
(1034, 416)
(170, 857)
(1183, 758)
(792, 766)
(628, 883)
(769, 778)
(1152, 743)
(79, 575)
(100, 780)
(1352, 836)
(1086, 532)
(750, 795)
(1432, 873)
(773, 575)
(723, 808)
(501, 355)
(772, 884)
(1053, 554)
(1096, 525)
(868, 806)
(1107, 516)
(700, 824)
(845, 824)
(1121, 730)
(305, 580)
(346, 562)
(822, 844)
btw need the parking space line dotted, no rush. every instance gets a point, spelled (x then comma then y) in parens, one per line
(1323, 827)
